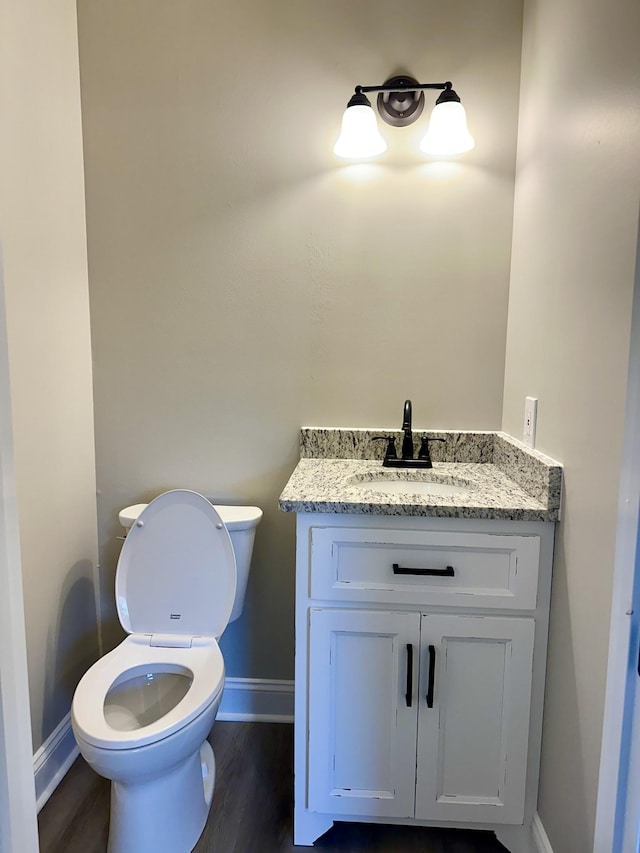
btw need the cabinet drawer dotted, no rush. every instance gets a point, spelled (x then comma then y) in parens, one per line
(425, 567)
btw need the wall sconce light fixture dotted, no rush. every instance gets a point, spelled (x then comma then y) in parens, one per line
(400, 102)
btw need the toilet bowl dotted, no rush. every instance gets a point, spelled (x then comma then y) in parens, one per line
(142, 713)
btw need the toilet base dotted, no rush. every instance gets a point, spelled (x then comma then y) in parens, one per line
(208, 765)
(166, 814)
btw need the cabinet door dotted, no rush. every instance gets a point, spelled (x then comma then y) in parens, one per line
(472, 742)
(362, 718)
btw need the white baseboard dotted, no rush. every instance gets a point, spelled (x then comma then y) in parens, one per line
(540, 839)
(257, 699)
(52, 760)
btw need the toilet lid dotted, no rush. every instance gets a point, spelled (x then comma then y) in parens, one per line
(177, 571)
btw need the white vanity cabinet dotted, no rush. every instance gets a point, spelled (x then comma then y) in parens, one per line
(420, 655)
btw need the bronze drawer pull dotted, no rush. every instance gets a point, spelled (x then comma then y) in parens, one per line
(440, 573)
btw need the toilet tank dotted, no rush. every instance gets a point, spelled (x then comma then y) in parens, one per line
(241, 522)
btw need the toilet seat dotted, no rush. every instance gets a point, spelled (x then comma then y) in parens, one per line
(203, 659)
(175, 586)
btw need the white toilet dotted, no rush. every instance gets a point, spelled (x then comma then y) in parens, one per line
(142, 713)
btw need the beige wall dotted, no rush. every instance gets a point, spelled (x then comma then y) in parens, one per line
(42, 229)
(575, 233)
(244, 282)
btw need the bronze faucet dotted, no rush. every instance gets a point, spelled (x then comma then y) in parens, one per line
(407, 460)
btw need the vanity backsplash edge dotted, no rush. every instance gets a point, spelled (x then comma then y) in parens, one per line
(539, 475)
(339, 443)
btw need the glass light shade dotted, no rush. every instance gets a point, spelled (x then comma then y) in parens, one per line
(359, 137)
(447, 132)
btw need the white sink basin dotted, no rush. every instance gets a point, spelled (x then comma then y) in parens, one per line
(417, 485)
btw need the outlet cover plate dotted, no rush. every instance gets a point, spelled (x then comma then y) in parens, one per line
(530, 418)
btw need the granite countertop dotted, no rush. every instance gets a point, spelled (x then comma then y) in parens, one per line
(500, 478)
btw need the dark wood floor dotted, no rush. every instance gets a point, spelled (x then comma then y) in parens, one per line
(252, 807)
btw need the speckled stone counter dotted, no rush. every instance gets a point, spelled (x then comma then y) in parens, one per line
(498, 477)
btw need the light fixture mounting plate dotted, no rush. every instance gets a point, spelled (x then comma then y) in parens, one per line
(402, 107)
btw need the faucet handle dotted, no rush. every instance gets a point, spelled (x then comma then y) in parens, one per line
(423, 453)
(391, 446)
